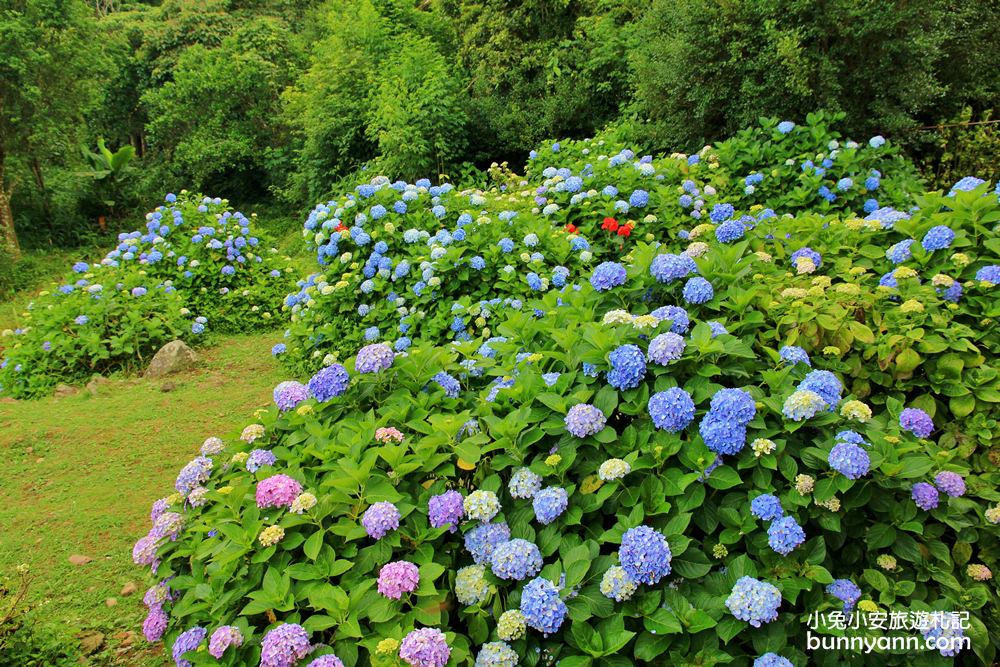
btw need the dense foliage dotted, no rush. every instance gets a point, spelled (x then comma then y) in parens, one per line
(195, 266)
(278, 100)
(675, 447)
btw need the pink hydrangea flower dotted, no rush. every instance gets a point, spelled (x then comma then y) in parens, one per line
(277, 491)
(397, 578)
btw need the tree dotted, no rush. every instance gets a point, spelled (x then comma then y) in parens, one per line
(49, 63)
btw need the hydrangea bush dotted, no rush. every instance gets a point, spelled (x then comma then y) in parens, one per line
(196, 267)
(619, 476)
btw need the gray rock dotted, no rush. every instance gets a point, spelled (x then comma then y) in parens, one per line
(95, 384)
(173, 357)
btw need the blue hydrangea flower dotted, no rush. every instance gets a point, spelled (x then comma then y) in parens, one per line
(792, 354)
(989, 274)
(679, 318)
(846, 591)
(721, 213)
(766, 507)
(549, 503)
(516, 559)
(786, 126)
(671, 410)
(785, 535)
(722, 435)
(607, 276)
(645, 555)
(850, 460)
(584, 419)
(845, 184)
(938, 237)
(329, 383)
(772, 660)
(900, 252)
(638, 198)
(925, 496)
(374, 358)
(542, 607)
(667, 268)
(697, 290)
(966, 184)
(754, 601)
(259, 458)
(951, 483)
(483, 539)
(451, 386)
(187, 642)
(808, 253)
(717, 328)
(733, 404)
(946, 637)
(628, 367)
(824, 383)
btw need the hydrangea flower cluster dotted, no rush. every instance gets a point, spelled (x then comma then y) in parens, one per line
(425, 647)
(277, 491)
(584, 420)
(542, 607)
(398, 577)
(754, 601)
(549, 503)
(645, 555)
(481, 505)
(446, 510)
(516, 559)
(379, 519)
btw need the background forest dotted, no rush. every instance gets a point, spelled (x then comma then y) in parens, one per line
(103, 107)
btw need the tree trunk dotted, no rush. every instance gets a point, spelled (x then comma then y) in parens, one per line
(8, 235)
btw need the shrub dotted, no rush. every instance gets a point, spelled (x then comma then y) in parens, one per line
(196, 266)
(649, 432)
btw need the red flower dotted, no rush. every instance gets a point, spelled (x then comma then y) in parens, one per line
(571, 228)
(610, 224)
(625, 230)
(340, 228)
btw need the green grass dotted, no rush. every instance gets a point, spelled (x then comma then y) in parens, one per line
(81, 472)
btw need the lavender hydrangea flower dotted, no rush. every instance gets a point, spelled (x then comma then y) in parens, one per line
(516, 559)
(549, 503)
(259, 458)
(224, 637)
(289, 394)
(645, 555)
(187, 641)
(524, 483)
(483, 539)
(329, 383)
(824, 383)
(917, 422)
(850, 460)
(379, 519)
(607, 276)
(374, 358)
(846, 591)
(671, 410)
(951, 483)
(284, 646)
(925, 496)
(397, 578)
(446, 510)
(628, 367)
(328, 660)
(772, 660)
(155, 625)
(195, 473)
(542, 607)
(754, 601)
(425, 647)
(665, 348)
(766, 507)
(584, 419)
(784, 535)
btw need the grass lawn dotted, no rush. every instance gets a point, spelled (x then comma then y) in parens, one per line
(80, 474)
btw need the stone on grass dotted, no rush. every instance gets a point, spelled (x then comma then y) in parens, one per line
(79, 559)
(173, 357)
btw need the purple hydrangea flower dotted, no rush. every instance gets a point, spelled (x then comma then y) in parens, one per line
(397, 578)
(951, 483)
(187, 641)
(289, 394)
(374, 358)
(328, 660)
(223, 638)
(259, 458)
(284, 646)
(194, 474)
(445, 510)
(379, 519)
(665, 348)
(925, 496)
(425, 647)
(155, 625)
(645, 555)
(917, 422)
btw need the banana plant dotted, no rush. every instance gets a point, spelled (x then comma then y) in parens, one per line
(107, 169)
